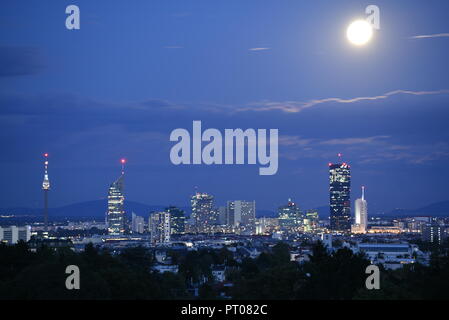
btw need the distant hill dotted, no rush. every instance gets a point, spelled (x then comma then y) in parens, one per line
(89, 209)
(97, 209)
(438, 209)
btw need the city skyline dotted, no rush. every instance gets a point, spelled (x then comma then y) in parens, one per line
(224, 156)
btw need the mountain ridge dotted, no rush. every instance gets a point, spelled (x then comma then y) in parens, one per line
(97, 209)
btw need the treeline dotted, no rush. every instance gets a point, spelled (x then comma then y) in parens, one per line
(41, 275)
(337, 276)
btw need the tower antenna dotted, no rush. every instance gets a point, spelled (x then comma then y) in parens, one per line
(340, 155)
(123, 162)
(363, 192)
(46, 188)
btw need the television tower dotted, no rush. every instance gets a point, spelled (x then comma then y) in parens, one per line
(46, 188)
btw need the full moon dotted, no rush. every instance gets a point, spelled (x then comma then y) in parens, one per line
(359, 32)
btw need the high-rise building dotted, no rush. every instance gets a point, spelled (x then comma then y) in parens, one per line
(177, 220)
(159, 227)
(339, 191)
(434, 233)
(242, 214)
(46, 188)
(266, 225)
(311, 220)
(12, 234)
(137, 223)
(222, 215)
(361, 214)
(116, 209)
(290, 216)
(203, 214)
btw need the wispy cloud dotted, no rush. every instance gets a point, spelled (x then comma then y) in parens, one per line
(298, 141)
(298, 106)
(352, 141)
(429, 36)
(258, 49)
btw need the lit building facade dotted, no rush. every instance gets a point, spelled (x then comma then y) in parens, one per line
(242, 215)
(290, 216)
(137, 223)
(177, 220)
(159, 227)
(116, 210)
(339, 191)
(13, 234)
(46, 188)
(311, 221)
(361, 214)
(266, 226)
(203, 214)
(223, 216)
(434, 233)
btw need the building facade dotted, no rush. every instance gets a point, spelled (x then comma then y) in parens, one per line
(242, 215)
(177, 220)
(116, 210)
(203, 214)
(311, 221)
(339, 192)
(137, 223)
(13, 234)
(290, 216)
(361, 214)
(159, 227)
(434, 233)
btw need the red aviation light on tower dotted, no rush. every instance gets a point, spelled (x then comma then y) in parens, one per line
(46, 155)
(340, 156)
(123, 162)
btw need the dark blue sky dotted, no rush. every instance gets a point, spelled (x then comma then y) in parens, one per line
(137, 70)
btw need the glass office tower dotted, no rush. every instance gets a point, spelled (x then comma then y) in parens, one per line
(339, 191)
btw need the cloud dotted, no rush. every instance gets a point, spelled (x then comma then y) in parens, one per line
(429, 36)
(363, 150)
(258, 49)
(298, 106)
(295, 141)
(416, 154)
(352, 141)
(20, 61)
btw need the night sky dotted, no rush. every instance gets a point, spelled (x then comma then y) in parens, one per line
(136, 70)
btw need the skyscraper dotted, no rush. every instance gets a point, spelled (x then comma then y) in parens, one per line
(137, 223)
(361, 214)
(177, 220)
(339, 191)
(159, 227)
(242, 214)
(311, 220)
(46, 188)
(290, 216)
(434, 233)
(222, 215)
(203, 213)
(116, 210)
